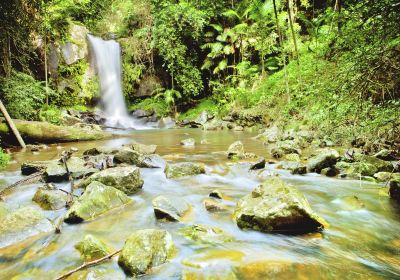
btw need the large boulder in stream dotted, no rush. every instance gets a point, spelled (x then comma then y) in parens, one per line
(176, 170)
(130, 156)
(171, 208)
(92, 248)
(43, 132)
(144, 250)
(326, 158)
(95, 201)
(21, 224)
(144, 149)
(127, 179)
(236, 149)
(50, 198)
(277, 207)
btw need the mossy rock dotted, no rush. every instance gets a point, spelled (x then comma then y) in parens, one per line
(127, 179)
(170, 207)
(100, 150)
(144, 149)
(144, 250)
(43, 132)
(50, 198)
(128, 156)
(277, 207)
(235, 150)
(205, 234)
(57, 172)
(31, 167)
(95, 201)
(378, 164)
(326, 158)
(190, 142)
(92, 248)
(213, 205)
(182, 169)
(21, 224)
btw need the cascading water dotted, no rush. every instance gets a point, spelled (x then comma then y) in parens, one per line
(106, 56)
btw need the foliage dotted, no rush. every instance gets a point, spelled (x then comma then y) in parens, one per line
(156, 105)
(50, 114)
(4, 158)
(206, 105)
(23, 96)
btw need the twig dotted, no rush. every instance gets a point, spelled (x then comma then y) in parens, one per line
(27, 180)
(88, 264)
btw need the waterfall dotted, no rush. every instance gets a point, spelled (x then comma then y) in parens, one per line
(106, 57)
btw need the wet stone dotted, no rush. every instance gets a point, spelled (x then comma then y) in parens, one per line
(176, 170)
(170, 208)
(92, 248)
(50, 198)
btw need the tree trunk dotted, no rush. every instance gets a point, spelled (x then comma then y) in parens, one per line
(290, 13)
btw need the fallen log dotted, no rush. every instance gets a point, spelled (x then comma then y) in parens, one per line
(43, 132)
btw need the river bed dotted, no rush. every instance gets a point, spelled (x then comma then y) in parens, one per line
(362, 242)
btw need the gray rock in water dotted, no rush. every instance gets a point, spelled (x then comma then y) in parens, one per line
(259, 164)
(182, 169)
(170, 208)
(270, 135)
(57, 171)
(212, 205)
(153, 161)
(216, 194)
(144, 149)
(50, 198)
(127, 179)
(190, 142)
(21, 224)
(277, 207)
(330, 171)
(326, 158)
(31, 167)
(129, 156)
(205, 234)
(95, 201)
(100, 150)
(394, 189)
(145, 249)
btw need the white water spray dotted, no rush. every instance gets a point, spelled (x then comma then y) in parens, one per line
(106, 56)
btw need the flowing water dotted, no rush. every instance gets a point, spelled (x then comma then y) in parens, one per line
(106, 56)
(362, 241)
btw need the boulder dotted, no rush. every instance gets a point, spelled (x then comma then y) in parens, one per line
(100, 150)
(292, 157)
(128, 156)
(203, 118)
(386, 155)
(216, 194)
(144, 250)
(92, 248)
(376, 163)
(330, 171)
(21, 224)
(299, 170)
(43, 132)
(127, 179)
(50, 198)
(75, 49)
(384, 177)
(326, 158)
(95, 201)
(212, 205)
(236, 149)
(153, 161)
(56, 171)
(288, 147)
(394, 189)
(182, 169)
(190, 142)
(293, 166)
(270, 135)
(171, 208)
(144, 149)
(205, 234)
(259, 164)
(31, 167)
(277, 207)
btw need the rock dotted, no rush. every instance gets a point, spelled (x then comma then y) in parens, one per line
(383, 177)
(144, 149)
(43, 132)
(203, 118)
(31, 167)
(170, 208)
(378, 164)
(128, 156)
(386, 155)
(236, 150)
(140, 113)
(293, 166)
(50, 198)
(190, 142)
(299, 170)
(152, 161)
(276, 207)
(216, 194)
(213, 125)
(259, 164)
(326, 158)
(100, 150)
(99, 162)
(21, 224)
(213, 205)
(56, 171)
(92, 248)
(394, 189)
(277, 152)
(205, 234)
(75, 49)
(238, 128)
(145, 249)
(330, 171)
(127, 179)
(270, 135)
(36, 148)
(95, 201)
(166, 123)
(288, 147)
(292, 157)
(182, 169)
(69, 120)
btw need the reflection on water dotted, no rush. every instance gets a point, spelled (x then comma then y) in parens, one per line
(361, 243)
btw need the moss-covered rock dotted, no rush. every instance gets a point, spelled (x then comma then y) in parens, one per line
(127, 179)
(270, 135)
(95, 201)
(57, 172)
(235, 150)
(100, 150)
(182, 169)
(205, 234)
(145, 249)
(92, 248)
(212, 205)
(326, 158)
(44, 132)
(378, 164)
(170, 207)
(50, 198)
(383, 177)
(21, 224)
(276, 206)
(394, 189)
(190, 142)
(144, 149)
(259, 164)
(216, 194)
(31, 167)
(129, 156)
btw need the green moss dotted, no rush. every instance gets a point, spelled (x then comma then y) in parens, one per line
(159, 106)
(207, 105)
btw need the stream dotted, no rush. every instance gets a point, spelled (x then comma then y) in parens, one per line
(362, 242)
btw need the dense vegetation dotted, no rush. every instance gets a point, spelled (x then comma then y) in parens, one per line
(330, 65)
